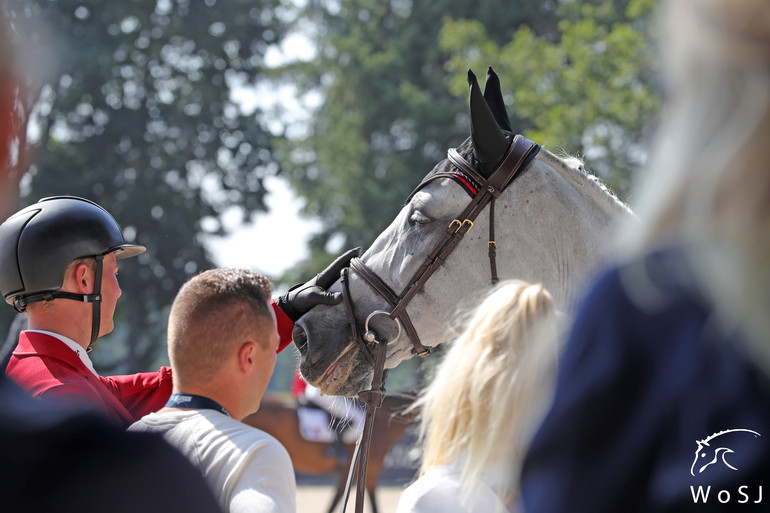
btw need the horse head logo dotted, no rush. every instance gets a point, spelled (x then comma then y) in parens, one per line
(710, 450)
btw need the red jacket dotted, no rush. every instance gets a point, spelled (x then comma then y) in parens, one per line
(48, 369)
(285, 327)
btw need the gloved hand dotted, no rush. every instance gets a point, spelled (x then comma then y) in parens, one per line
(304, 296)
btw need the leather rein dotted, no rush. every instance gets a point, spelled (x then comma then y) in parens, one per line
(520, 152)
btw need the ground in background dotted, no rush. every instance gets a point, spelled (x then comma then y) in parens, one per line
(317, 498)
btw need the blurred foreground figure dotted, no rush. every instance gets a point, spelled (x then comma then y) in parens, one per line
(14, 111)
(662, 398)
(478, 412)
(75, 461)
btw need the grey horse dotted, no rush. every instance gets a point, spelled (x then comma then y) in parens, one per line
(551, 224)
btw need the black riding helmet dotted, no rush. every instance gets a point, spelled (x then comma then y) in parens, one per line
(40, 241)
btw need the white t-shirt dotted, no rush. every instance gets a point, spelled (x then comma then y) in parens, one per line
(249, 470)
(440, 490)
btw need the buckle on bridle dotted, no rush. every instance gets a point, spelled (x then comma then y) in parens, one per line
(460, 225)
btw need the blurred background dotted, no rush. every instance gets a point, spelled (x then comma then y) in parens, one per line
(276, 134)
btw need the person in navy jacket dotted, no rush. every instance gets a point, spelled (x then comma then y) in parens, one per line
(59, 259)
(56, 457)
(661, 402)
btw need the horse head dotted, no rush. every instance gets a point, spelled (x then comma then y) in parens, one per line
(549, 228)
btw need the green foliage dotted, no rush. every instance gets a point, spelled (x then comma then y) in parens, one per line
(590, 93)
(387, 116)
(135, 112)
(579, 76)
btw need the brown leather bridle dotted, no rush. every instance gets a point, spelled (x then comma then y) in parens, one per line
(520, 152)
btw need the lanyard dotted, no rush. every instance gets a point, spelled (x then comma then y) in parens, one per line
(197, 402)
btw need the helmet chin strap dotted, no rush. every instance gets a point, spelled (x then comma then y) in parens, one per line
(96, 312)
(95, 298)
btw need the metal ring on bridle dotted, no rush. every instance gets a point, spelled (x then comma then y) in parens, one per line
(370, 336)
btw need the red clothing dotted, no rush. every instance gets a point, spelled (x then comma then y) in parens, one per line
(48, 369)
(298, 384)
(285, 327)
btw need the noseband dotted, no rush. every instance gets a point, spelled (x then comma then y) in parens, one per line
(520, 152)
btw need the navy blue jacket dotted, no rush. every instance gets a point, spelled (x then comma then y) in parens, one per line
(60, 459)
(648, 381)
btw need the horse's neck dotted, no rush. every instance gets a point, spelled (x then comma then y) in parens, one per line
(590, 187)
(567, 220)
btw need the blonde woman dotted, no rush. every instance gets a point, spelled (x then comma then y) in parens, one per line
(661, 403)
(478, 411)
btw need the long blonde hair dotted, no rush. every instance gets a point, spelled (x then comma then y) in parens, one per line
(707, 185)
(481, 404)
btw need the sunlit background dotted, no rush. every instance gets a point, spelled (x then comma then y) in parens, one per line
(274, 135)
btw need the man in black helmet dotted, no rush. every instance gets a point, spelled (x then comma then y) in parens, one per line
(59, 263)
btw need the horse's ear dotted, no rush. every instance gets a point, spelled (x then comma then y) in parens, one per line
(494, 97)
(488, 140)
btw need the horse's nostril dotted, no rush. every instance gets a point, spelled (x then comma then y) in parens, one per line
(300, 339)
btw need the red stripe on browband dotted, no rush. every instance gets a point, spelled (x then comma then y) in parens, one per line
(462, 180)
(466, 182)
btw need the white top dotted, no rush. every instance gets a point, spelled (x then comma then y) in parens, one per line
(82, 353)
(249, 470)
(440, 490)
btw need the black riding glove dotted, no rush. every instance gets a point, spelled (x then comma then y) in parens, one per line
(304, 296)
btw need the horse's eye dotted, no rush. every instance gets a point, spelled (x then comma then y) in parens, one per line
(418, 217)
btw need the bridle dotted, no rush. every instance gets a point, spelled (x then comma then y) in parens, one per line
(483, 192)
(520, 152)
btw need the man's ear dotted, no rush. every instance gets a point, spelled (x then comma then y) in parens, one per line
(80, 278)
(247, 356)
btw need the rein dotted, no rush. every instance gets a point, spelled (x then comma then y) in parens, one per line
(520, 152)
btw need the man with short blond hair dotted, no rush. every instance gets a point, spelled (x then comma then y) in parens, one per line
(222, 345)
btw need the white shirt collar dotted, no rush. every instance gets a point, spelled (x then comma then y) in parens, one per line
(72, 345)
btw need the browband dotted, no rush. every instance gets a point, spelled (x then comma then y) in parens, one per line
(464, 175)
